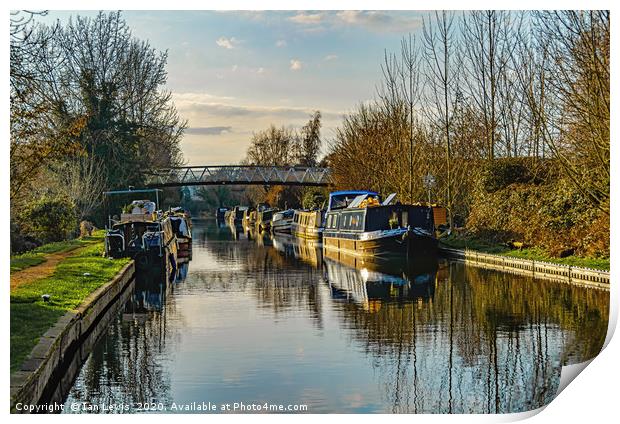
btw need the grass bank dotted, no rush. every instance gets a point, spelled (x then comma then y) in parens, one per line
(532, 253)
(73, 279)
(37, 256)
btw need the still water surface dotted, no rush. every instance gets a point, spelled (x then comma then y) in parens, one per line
(257, 320)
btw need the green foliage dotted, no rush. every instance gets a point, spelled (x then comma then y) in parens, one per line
(49, 218)
(37, 256)
(28, 322)
(67, 287)
(313, 198)
(26, 260)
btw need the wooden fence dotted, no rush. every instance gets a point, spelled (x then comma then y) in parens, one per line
(570, 274)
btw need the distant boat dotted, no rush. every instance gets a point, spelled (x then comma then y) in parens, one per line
(308, 224)
(282, 221)
(182, 227)
(264, 219)
(366, 227)
(220, 213)
(235, 215)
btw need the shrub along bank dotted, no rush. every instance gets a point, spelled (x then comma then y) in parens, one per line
(533, 253)
(516, 200)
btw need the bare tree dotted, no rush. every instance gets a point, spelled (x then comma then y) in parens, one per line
(573, 105)
(486, 53)
(401, 86)
(80, 179)
(441, 76)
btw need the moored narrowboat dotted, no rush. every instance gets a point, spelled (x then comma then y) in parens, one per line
(145, 236)
(220, 213)
(282, 221)
(182, 227)
(368, 228)
(308, 224)
(264, 218)
(235, 215)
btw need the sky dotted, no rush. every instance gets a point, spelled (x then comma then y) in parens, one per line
(235, 73)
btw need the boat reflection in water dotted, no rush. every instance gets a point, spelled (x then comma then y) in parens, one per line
(237, 231)
(341, 334)
(149, 296)
(305, 250)
(371, 282)
(221, 223)
(182, 272)
(261, 238)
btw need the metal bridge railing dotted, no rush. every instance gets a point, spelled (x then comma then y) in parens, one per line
(241, 175)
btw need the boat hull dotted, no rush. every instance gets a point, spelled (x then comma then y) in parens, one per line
(399, 242)
(184, 247)
(282, 226)
(308, 233)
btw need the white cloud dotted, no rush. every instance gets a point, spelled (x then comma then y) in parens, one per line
(296, 65)
(330, 57)
(260, 70)
(208, 105)
(379, 21)
(281, 43)
(307, 18)
(209, 130)
(227, 43)
(234, 68)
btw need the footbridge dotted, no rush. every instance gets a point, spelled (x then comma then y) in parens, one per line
(239, 175)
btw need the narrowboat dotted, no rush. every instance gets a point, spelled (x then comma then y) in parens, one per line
(220, 213)
(264, 219)
(310, 224)
(235, 215)
(145, 236)
(182, 227)
(282, 221)
(367, 227)
(249, 217)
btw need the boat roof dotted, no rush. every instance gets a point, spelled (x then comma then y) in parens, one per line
(355, 192)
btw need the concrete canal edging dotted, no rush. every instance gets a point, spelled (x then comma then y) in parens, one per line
(571, 274)
(59, 353)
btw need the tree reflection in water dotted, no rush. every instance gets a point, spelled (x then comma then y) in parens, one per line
(422, 337)
(474, 340)
(125, 366)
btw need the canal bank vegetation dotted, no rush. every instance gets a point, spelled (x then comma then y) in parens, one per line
(89, 112)
(509, 112)
(71, 281)
(38, 255)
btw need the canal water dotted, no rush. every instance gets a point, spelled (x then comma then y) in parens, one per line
(256, 320)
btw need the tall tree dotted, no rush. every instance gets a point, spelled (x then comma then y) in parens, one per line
(441, 79)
